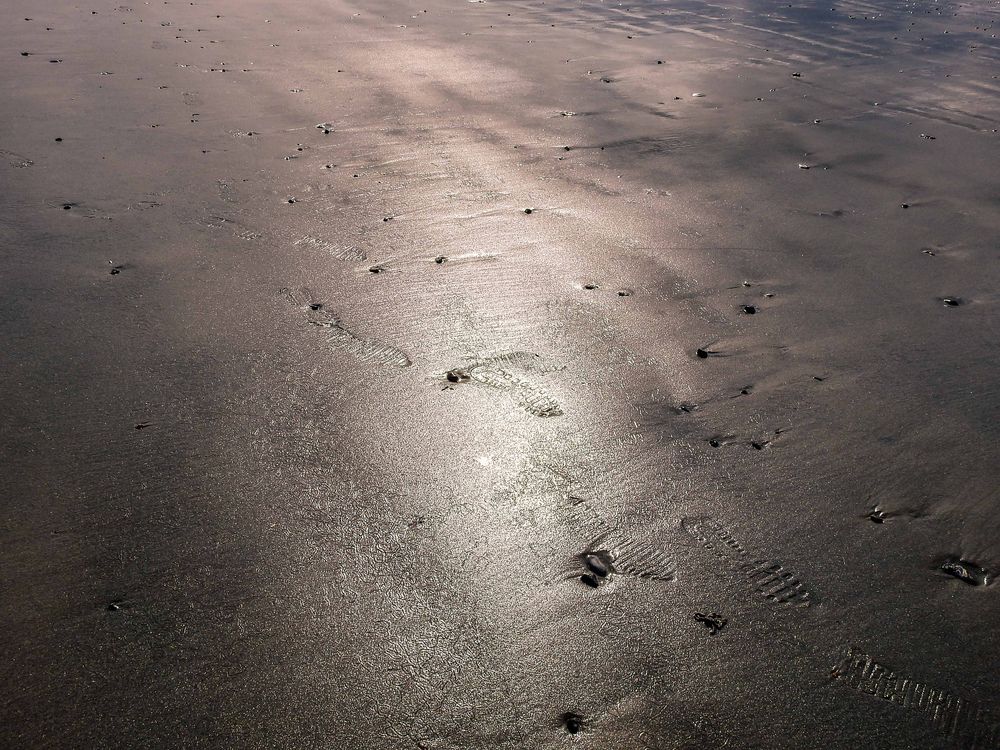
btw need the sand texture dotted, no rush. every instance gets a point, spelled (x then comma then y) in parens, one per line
(506, 374)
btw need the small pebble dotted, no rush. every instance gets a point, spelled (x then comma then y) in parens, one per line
(877, 515)
(573, 723)
(597, 566)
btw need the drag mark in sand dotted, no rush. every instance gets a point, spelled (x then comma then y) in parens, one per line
(971, 725)
(769, 578)
(339, 337)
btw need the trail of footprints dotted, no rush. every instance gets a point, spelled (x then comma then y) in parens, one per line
(613, 551)
(769, 578)
(972, 726)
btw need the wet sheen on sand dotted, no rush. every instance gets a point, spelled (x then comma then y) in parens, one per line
(592, 374)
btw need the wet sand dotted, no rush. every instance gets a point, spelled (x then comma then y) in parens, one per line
(505, 374)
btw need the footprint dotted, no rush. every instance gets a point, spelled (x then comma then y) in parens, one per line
(714, 537)
(971, 725)
(769, 578)
(496, 371)
(616, 552)
(525, 360)
(339, 337)
(530, 397)
(622, 553)
(366, 350)
(338, 252)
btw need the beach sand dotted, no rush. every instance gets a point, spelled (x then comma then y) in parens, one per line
(505, 374)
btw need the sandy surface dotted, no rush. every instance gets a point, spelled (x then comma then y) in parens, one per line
(594, 376)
